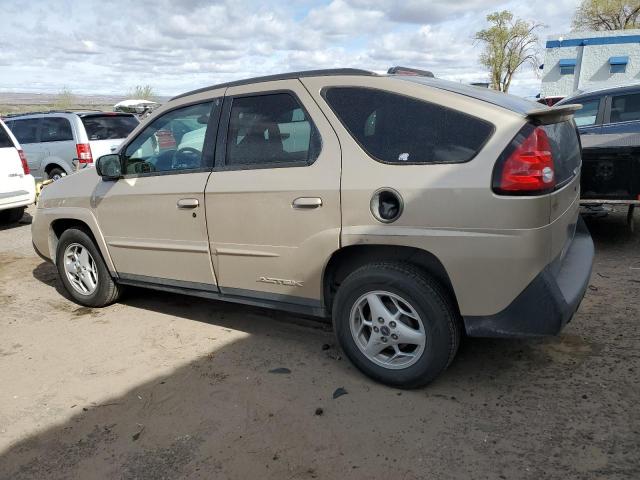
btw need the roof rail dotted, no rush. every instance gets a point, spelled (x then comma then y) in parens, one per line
(22, 114)
(410, 71)
(281, 76)
(44, 112)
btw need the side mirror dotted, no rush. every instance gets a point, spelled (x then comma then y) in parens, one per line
(109, 167)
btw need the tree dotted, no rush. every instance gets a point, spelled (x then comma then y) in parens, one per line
(607, 15)
(142, 92)
(65, 99)
(508, 45)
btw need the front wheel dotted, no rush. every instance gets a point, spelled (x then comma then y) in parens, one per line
(83, 271)
(396, 324)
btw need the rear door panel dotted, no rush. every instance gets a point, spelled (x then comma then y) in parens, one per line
(261, 245)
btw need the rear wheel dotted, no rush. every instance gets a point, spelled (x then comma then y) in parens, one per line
(56, 173)
(83, 271)
(12, 215)
(396, 324)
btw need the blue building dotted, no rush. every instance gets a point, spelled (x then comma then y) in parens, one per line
(585, 60)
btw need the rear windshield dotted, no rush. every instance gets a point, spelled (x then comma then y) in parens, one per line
(109, 127)
(565, 148)
(398, 129)
(5, 139)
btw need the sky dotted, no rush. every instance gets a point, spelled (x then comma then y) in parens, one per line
(109, 46)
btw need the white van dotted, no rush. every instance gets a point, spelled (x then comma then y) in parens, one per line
(17, 186)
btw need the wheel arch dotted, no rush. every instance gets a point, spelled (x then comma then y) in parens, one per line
(51, 163)
(347, 259)
(85, 222)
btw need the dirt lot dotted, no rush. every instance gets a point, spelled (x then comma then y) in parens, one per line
(167, 386)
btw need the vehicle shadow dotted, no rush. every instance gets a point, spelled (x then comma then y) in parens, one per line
(225, 414)
(612, 231)
(25, 220)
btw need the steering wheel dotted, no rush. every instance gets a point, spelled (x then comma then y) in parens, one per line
(186, 157)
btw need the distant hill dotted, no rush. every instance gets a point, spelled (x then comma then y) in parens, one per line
(16, 102)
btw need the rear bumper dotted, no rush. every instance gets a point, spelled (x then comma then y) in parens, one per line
(23, 194)
(547, 304)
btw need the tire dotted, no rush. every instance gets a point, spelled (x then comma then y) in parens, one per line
(56, 173)
(106, 290)
(402, 288)
(12, 215)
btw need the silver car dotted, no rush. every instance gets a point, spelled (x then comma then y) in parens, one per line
(56, 143)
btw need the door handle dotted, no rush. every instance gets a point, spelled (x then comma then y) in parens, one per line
(307, 202)
(188, 203)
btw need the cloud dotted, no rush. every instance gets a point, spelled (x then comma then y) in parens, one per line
(106, 47)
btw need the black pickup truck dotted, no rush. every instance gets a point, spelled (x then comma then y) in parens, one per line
(609, 125)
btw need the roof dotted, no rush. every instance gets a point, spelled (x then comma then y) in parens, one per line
(510, 102)
(603, 90)
(281, 76)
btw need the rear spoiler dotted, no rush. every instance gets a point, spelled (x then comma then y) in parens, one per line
(554, 114)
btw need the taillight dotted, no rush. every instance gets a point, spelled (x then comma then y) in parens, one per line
(84, 153)
(25, 165)
(526, 167)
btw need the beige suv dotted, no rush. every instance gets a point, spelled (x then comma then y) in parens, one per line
(411, 210)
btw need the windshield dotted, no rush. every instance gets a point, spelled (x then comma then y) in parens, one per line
(109, 127)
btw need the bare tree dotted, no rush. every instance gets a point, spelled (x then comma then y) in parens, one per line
(607, 15)
(142, 92)
(509, 44)
(65, 99)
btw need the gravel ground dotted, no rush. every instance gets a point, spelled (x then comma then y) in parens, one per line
(168, 386)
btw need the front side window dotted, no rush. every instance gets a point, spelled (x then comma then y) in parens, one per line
(270, 129)
(171, 143)
(393, 128)
(26, 131)
(625, 108)
(588, 113)
(55, 129)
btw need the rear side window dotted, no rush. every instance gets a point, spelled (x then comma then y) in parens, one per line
(565, 149)
(396, 129)
(625, 108)
(265, 130)
(56, 129)
(26, 131)
(588, 113)
(5, 139)
(109, 127)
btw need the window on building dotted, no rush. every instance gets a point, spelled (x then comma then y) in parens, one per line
(618, 64)
(567, 66)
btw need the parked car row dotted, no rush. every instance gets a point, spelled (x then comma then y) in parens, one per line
(58, 143)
